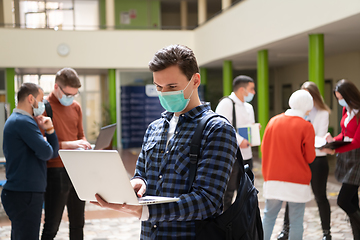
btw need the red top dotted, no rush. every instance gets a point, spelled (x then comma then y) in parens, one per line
(351, 130)
(288, 147)
(68, 125)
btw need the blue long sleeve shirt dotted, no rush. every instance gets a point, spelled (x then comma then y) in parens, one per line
(26, 152)
(165, 168)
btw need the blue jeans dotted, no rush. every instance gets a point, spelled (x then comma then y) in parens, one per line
(296, 215)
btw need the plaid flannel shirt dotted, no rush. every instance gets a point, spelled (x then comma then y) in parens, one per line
(166, 171)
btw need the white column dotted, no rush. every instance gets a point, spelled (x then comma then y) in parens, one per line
(202, 11)
(225, 4)
(110, 14)
(183, 14)
(8, 16)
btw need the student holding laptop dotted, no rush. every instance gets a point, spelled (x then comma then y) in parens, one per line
(163, 165)
(67, 119)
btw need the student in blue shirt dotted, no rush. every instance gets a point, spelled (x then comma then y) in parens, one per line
(26, 152)
(163, 165)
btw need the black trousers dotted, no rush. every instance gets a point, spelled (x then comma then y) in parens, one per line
(60, 192)
(24, 211)
(320, 171)
(348, 198)
(234, 182)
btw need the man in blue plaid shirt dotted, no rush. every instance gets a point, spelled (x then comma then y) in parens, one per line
(163, 165)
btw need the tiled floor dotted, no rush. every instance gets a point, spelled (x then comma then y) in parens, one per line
(102, 224)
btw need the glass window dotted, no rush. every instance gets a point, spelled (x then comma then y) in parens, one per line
(93, 115)
(31, 78)
(93, 83)
(62, 14)
(47, 83)
(90, 99)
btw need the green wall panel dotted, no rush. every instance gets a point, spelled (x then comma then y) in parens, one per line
(147, 14)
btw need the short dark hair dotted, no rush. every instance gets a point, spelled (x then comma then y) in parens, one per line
(68, 77)
(241, 81)
(27, 89)
(175, 55)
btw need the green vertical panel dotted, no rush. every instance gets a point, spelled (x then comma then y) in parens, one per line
(203, 74)
(316, 61)
(102, 14)
(263, 90)
(227, 77)
(155, 17)
(146, 14)
(10, 87)
(112, 99)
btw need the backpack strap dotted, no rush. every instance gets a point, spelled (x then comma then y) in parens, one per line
(233, 111)
(48, 109)
(195, 147)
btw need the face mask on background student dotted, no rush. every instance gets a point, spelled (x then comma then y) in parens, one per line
(39, 110)
(66, 101)
(174, 101)
(249, 97)
(343, 103)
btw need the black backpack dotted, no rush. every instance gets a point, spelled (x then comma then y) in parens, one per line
(48, 109)
(242, 220)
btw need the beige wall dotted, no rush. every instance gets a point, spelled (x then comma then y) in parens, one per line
(250, 25)
(336, 68)
(126, 49)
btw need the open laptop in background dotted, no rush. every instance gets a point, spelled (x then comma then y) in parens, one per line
(103, 172)
(104, 138)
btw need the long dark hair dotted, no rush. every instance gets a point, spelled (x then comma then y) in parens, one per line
(350, 93)
(315, 93)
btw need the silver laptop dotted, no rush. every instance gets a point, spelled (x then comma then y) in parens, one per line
(103, 172)
(104, 138)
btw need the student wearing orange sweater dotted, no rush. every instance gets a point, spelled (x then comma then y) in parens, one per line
(287, 150)
(67, 119)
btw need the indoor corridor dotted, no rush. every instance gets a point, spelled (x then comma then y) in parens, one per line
(102, 224)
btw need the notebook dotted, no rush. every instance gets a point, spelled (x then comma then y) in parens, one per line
(251, 133)
(104, 138)
(103, 172)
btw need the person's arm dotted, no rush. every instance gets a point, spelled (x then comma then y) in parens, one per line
(81, 142)
(309, 143)
(137, 211)
(81, 134)
(322, 123)
(31, 135)
(213, 172)
(340, 137)
(355, 143)
(47, 125)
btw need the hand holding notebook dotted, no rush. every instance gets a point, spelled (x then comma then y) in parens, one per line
(251, 133)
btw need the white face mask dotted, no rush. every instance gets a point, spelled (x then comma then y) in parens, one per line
(249, 97)
(343, 103)
(39, 110)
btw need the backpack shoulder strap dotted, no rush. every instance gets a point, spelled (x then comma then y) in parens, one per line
(48, 108)
(233, 111)
(195, 147)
